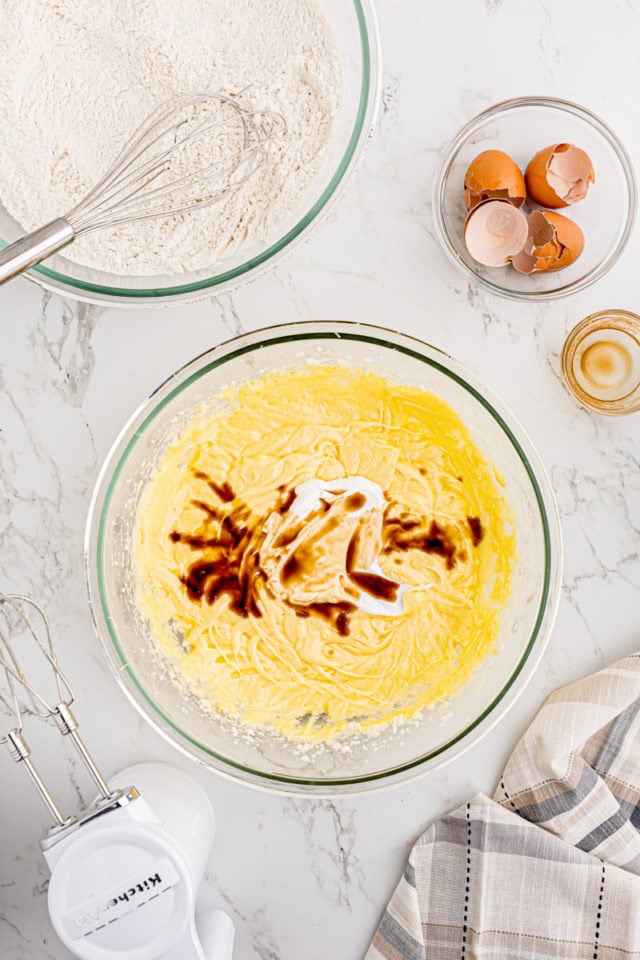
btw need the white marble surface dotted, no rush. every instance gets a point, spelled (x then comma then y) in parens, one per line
(307, 880)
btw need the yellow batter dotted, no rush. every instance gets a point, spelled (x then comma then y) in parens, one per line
(294, 673)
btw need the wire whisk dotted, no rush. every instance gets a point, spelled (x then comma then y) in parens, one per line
(192, 152)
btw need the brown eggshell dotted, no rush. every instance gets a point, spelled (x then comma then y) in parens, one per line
(553, 242)
(570, 238)
(559, 175)
(494, 232)
(540, 249)
(494, 175)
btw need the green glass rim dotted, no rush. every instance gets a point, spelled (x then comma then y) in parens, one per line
(366, 92)
(225, 355)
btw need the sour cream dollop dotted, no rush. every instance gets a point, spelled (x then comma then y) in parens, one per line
(325, 548)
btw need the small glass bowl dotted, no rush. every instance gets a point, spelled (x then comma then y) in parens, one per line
(620, 322)
(521, 127)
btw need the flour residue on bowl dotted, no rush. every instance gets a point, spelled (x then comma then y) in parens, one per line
(78, 79)
(255, 599)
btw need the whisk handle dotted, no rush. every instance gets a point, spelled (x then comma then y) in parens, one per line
(33, 248)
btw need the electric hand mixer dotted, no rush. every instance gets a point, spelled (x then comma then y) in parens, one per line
(125, 872)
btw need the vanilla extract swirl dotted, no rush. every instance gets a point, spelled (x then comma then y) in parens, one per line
(318, 564)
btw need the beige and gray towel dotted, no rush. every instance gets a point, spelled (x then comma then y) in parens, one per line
(548, 869)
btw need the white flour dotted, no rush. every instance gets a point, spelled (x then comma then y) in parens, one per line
(78, 76)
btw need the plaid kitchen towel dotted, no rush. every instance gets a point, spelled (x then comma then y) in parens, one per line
(550, 868)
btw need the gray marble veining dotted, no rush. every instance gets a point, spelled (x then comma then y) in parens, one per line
(307, 880)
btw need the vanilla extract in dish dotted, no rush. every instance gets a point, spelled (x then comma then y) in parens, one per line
(601, 362)
(345, 572)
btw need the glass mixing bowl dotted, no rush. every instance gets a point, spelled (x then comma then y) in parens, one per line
(521, 127)
(265, 759)
(354, 26)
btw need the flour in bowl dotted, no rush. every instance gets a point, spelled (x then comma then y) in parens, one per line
(79, 76)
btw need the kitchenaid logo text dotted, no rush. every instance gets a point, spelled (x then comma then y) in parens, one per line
(116, 903)
(125, 896)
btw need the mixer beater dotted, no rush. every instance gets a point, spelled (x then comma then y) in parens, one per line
(125, 872)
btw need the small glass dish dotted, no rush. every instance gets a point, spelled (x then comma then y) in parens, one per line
(616, 334)
(521, 127)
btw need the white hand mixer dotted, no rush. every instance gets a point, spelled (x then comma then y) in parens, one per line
(126, 871)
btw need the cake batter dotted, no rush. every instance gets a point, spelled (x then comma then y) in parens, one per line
(325, 551)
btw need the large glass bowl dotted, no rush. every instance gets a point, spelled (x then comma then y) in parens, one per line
(269, 760)
(521, 127)
(354, 27)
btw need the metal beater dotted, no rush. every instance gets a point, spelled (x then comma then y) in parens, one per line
(190, 153)
(15, 611)
(125, 872)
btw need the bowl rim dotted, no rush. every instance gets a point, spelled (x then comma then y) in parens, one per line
(451, 150)
(227, 280)
(304, 331)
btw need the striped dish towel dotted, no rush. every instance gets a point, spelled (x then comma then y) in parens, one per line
(550, 868)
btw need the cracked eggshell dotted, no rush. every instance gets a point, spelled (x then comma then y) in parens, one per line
(494, 232)
(570, 238)
(493, 175)
(559, 175)
(553, 243)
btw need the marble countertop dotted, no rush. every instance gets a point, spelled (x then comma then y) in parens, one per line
(303, 879)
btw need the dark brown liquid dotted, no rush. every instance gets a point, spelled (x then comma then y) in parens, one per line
(302, 560)
(288, 536)
(376, 585)
(371, 583)
(228, 565)
(337, 614)
(286, 499)
(292, 569)
(404, 533)
(211, 511)
(222, 490)
(229, 538)
(477, 531)
(193, 540)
